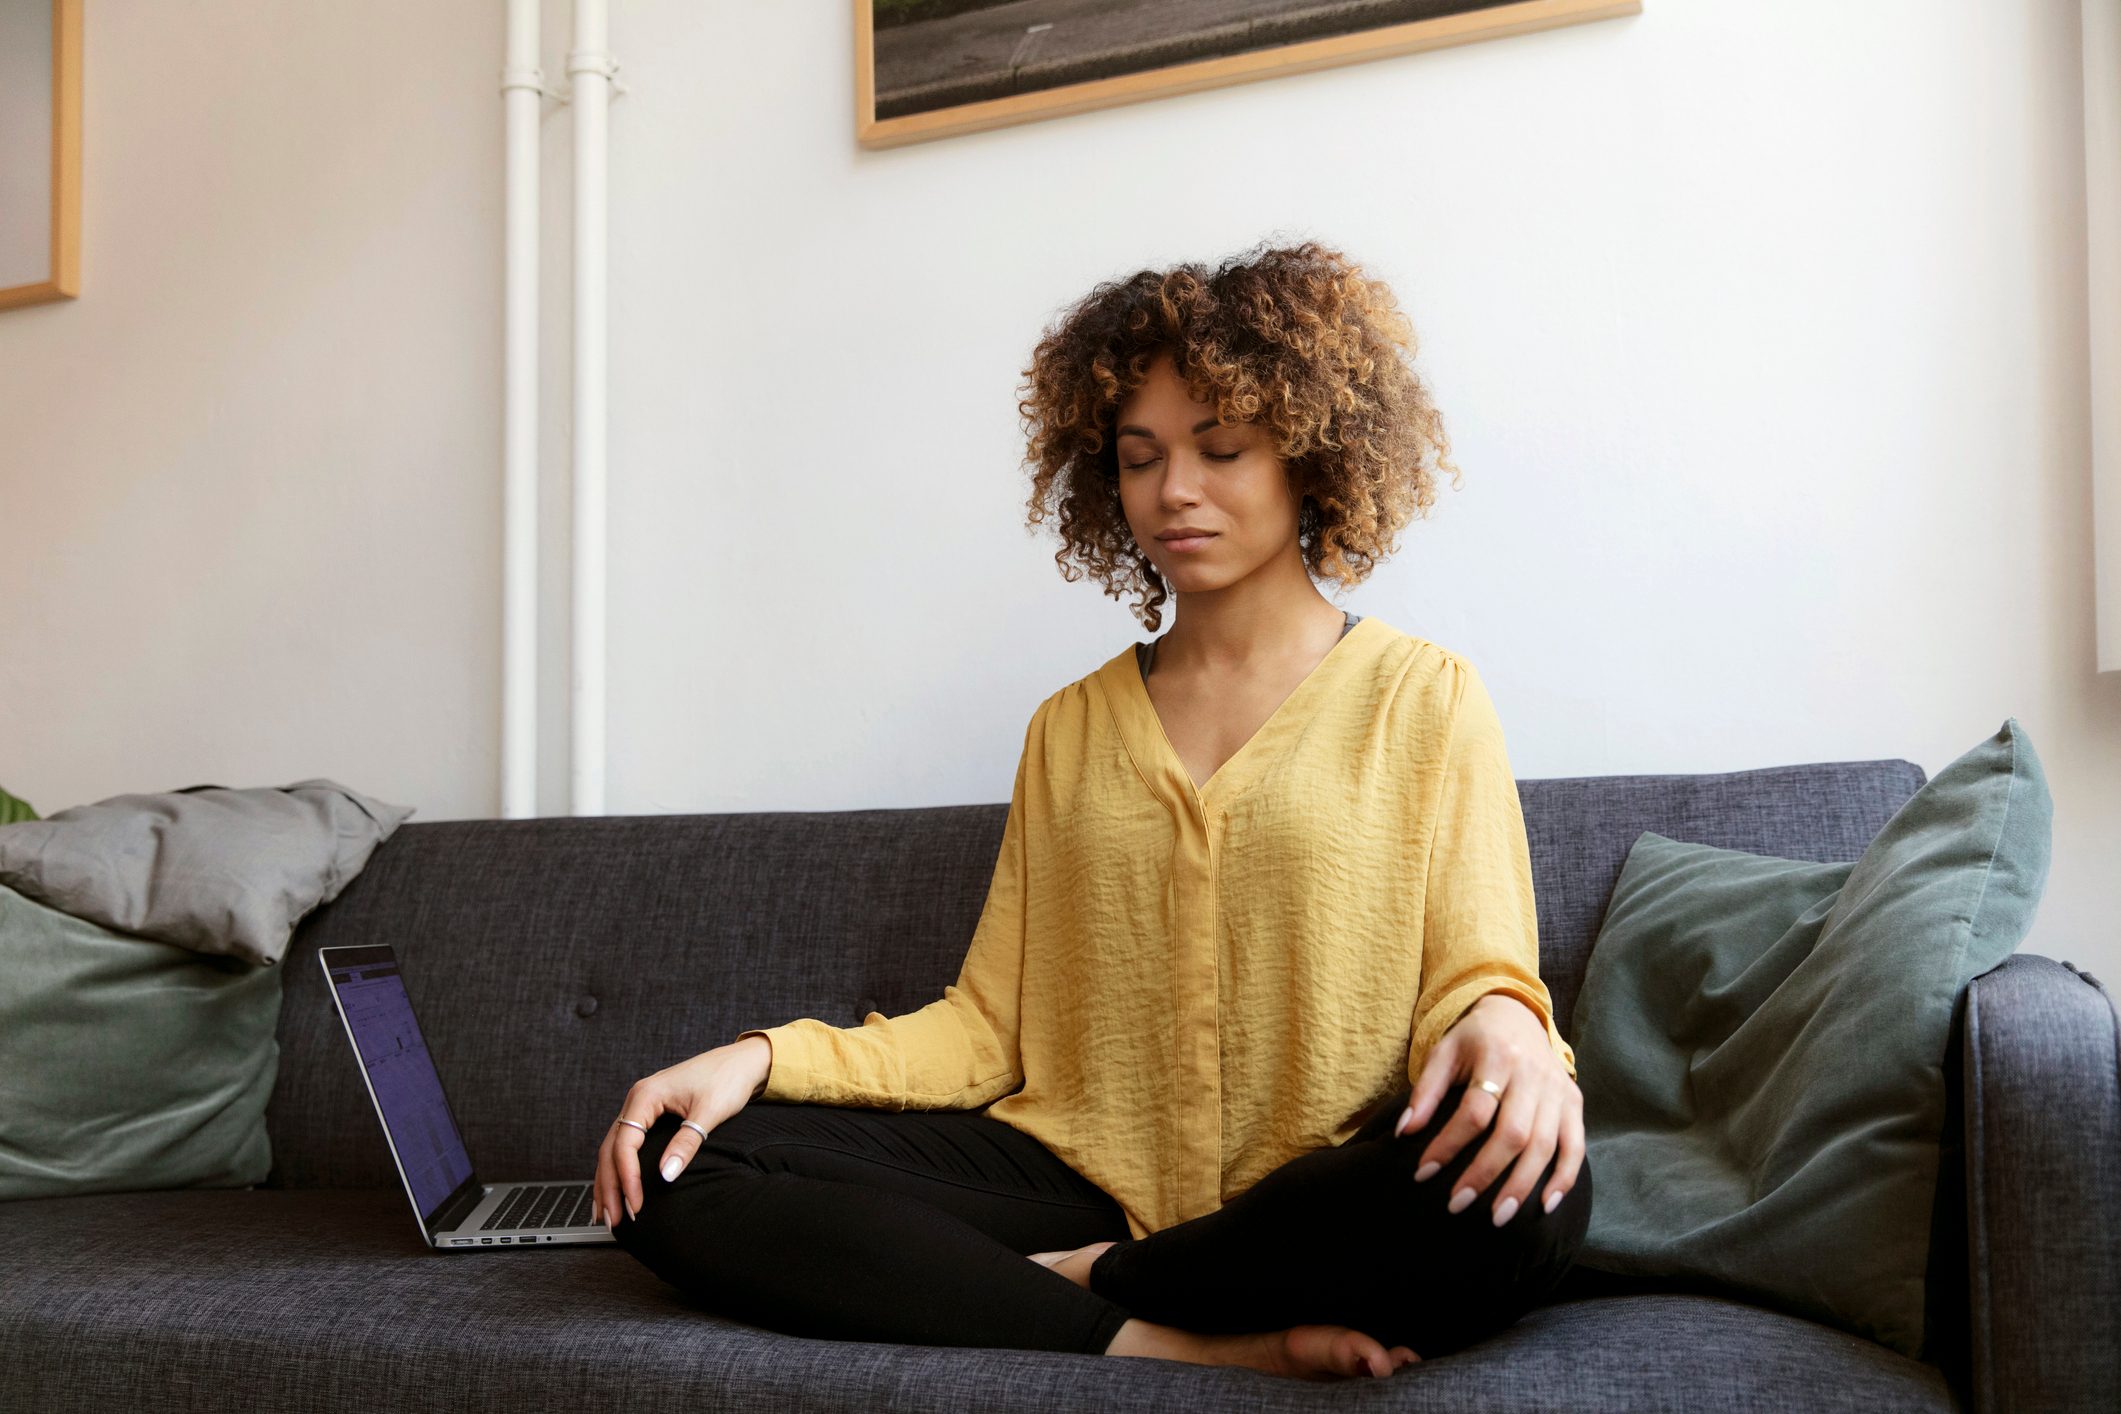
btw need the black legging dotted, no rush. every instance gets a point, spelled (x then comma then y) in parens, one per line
(913, 1226)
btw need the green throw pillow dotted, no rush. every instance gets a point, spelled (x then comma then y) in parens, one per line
(128, 1064)
(1760, 1043)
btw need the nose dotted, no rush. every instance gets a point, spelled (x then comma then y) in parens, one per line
(1182, 474)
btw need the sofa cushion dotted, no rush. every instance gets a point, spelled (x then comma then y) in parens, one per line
(127, 1063)
(1762, 1043)
(328, 1299)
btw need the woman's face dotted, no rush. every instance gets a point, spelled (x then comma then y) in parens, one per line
(1180, 469)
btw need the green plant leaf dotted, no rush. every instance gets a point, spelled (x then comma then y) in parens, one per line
(12, 809)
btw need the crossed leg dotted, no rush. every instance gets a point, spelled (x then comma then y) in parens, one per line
(1344, 1236)
(821, 1220)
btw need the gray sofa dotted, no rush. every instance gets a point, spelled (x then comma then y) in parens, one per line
(553, 962)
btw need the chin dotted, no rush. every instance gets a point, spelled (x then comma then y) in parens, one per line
(1196, 579)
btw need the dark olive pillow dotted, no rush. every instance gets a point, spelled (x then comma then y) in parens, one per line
(126, 1063)
(1760, 1044)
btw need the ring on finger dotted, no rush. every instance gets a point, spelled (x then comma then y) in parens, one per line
(634, 1122)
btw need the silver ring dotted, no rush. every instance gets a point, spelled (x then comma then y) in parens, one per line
(1490, 1086)
(688, 1124)
(636, 1124)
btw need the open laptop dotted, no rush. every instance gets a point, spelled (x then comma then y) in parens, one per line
(455, 1210)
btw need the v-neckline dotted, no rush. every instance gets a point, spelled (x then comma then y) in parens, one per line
(1142, 727)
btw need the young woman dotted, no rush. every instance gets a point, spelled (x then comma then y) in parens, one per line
(1249, 1061)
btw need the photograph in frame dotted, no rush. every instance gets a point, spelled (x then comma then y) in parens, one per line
(932, 68)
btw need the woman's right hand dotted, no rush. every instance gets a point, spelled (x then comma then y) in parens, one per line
(706, 1089)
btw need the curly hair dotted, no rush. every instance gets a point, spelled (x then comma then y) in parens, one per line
(1298, 338)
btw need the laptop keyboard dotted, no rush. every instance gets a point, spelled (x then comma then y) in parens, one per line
(543, 1205)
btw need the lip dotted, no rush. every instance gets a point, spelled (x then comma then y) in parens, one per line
(1186, 542)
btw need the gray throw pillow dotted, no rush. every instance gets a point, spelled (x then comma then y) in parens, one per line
(206, 867)
(1760, 1044)
(128, 1064)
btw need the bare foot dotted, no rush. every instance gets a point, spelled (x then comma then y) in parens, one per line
(1330, 1352)
(1314, 1352)
(1073, 1264)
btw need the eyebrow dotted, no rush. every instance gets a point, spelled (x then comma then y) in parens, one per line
(1130, 430)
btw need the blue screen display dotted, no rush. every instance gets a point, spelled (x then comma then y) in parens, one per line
(407, 1089)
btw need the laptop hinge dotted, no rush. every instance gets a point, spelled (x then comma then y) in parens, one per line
(459, 1205)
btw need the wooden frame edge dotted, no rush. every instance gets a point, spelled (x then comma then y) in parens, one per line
(65, 279)
(1304, 56)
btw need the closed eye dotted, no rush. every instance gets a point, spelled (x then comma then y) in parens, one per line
(1211, 456)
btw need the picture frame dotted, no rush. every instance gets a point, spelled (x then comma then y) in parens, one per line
(969, 71)
(40, 151)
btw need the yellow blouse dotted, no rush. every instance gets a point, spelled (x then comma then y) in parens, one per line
(1178, 989)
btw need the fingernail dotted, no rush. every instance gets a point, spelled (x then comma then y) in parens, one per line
(670, 1168)
(1553, 1200)
(1406, 1122)
(1427, 1170)
(1504, 1211)
(1462, 1199)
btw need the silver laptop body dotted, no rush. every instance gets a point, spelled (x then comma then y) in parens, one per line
(456, 1212)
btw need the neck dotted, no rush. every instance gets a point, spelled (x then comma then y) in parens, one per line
(1216, 637)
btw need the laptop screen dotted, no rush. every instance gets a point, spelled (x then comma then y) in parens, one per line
(400, 1072)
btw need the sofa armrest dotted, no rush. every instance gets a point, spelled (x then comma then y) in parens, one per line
(2042, 1070)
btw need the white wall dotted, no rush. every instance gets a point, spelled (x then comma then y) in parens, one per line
(1759, 329)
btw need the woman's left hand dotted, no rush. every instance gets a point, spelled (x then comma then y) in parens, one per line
(1499, 1038)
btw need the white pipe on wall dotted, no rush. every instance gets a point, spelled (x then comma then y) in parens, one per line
(522, 91)
(590, 68)
(2102, 218)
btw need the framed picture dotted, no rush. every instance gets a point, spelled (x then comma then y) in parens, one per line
(40, 151)
(929, 68)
